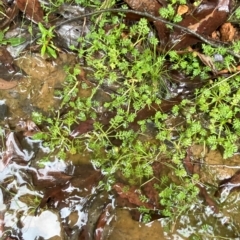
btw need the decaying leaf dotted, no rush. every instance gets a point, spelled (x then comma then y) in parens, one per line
(45, 178)
(230, 70)
(208, 200)
(5, 57)
(32, 9)
(2, 213)
(205, 19)
(4, 85)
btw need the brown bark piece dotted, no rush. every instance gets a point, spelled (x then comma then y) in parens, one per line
(32, 9)
(227, 32)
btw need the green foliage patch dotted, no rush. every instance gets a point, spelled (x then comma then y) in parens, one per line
(127, 57)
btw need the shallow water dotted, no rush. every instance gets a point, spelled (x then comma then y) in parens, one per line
(61, 199)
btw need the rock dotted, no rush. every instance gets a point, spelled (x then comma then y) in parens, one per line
(124, 227)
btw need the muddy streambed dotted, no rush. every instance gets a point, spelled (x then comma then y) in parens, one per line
(62, 199)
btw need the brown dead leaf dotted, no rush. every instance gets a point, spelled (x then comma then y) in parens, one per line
(45, 178)
(32, 9)
(227, 32)
(144, 5)
(2, 223)
(208, 16)
(182, 9)
(4, 85)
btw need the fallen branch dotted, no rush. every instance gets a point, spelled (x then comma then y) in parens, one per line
(144, 14)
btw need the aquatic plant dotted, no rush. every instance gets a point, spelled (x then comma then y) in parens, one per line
(127, 57)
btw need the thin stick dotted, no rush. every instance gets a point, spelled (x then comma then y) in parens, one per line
(144, 14)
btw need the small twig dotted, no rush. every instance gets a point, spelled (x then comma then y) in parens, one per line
(144, 14)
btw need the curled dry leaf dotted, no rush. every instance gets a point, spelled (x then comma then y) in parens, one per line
(227, 32)
(207, 60)
(182, 9)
